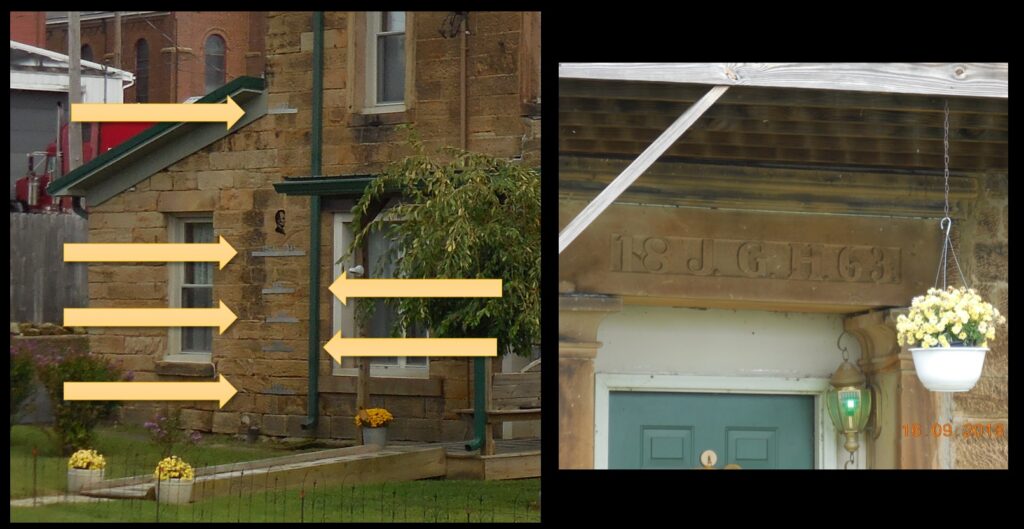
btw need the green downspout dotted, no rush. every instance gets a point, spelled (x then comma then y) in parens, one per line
(479, 403)
(313, 404)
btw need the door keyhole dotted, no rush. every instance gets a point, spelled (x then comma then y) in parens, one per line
(708, 458)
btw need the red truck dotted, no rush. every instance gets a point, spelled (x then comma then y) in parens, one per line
(97, 138)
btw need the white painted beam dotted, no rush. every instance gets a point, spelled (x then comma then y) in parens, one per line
(617, 186)
(947, 79)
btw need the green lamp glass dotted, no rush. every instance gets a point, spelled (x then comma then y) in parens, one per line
(849, 403)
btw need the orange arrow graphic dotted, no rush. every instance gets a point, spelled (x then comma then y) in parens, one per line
(221, 317)
(344, 288)
(338, 347)
(221, 252)
(228, 112)
(220, 391)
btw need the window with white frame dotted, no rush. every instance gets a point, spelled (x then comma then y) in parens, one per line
(385, 59)
(383, 317)
(191, 286)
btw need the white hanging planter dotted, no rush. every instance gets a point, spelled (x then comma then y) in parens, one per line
(949, 369)
(80, 478)
(174, 491)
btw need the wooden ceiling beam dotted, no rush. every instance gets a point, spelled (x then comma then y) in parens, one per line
(947, 79)
(754, 96)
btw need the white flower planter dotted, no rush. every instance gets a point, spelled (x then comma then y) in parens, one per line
(949, 368)
(174, 491)
(79, 478)
(375, 436)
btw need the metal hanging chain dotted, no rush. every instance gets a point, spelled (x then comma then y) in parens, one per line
(946, 223)
(846, 465)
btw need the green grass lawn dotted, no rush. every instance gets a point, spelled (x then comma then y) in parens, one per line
(419, 501)
(128, 451)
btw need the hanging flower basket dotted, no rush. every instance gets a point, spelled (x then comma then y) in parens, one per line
(950, 329)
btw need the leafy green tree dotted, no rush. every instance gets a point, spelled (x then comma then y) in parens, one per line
(472, 216)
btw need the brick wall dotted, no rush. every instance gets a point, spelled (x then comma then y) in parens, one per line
(233, 179)
(169, 81)
(984, 253)
(29, 27)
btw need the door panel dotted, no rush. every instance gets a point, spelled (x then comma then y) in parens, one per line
(667, 447)
(670, 430)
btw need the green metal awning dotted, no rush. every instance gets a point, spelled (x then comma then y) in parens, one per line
(345, 185)
(158, 147)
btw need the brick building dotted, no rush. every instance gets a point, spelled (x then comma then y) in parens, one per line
(175, 55)
(29, 27)
(258, 185)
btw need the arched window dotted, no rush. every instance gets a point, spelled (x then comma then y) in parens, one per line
(141, 71)
(86, 52)
(216, 66)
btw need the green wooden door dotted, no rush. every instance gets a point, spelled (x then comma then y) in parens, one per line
(671, 430)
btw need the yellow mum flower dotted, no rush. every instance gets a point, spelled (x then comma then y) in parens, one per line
(943, 340)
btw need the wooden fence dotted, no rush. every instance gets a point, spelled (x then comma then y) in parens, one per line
(41, 283)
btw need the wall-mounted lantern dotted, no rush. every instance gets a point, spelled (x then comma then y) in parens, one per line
(849, 401)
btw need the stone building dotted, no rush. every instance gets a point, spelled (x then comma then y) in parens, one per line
(175, 55)
(702, 309)
(322, 122)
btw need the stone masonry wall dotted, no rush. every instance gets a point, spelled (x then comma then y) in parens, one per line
(232, 179)
(984, 252)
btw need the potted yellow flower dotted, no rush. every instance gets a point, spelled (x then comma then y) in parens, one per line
(951, 329)
(85, 468)
(374, 422)
(174, 481)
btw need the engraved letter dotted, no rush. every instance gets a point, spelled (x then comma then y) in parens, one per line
(617, 256)
(850, 270)
(751, 260)
(804, 261)
(654, 254)
(704, 264)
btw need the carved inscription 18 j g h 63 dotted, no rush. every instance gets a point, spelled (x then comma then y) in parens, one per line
(700, 257)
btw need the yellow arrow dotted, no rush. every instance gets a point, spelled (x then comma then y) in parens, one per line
(338, 347)
(221, 252)
(345, 288)
(229, 112)
(220, 317)
(220, 391)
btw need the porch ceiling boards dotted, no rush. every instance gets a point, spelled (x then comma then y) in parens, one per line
(830, 137)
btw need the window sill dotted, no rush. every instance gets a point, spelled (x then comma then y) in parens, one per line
(418, 387)
(185, 369)
(373, 117)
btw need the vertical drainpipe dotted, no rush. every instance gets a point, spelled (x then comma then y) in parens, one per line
(313, 401)
(479, 363)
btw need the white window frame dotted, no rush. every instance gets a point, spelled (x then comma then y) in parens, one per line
(176, 233)
(343, 316)
(372, 106)
(828, 453)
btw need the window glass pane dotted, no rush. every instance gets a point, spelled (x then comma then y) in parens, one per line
(197, 339)
(86, 53)
(199, 232)
(199, 273)
(391, 69)
(216, 68)
(141, 71)
(197, 297)
(393, 21)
